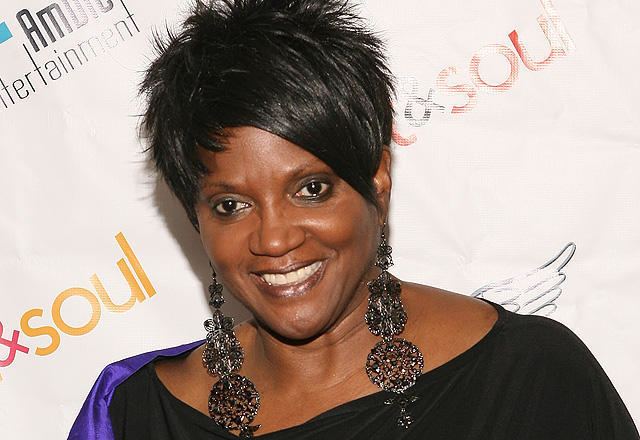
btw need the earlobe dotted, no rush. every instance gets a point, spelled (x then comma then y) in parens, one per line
(382, 182)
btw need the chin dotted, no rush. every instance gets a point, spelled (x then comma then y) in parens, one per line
(296, 329)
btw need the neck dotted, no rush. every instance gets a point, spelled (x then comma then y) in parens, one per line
(319, 363)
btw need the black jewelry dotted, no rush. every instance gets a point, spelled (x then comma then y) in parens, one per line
(394, 364)
(234, 400)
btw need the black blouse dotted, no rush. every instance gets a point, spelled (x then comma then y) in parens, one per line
(528, 378)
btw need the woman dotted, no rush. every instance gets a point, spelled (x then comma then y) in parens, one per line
(270, 120)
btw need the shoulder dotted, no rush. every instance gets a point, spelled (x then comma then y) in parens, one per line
(134, 386)
(540, 347)
(94, 417)
(117, 373)
(141, 389)
(555, 367)
(434, 310)
(543, 329)
(445, 324)
(547, 342)
(433, 305)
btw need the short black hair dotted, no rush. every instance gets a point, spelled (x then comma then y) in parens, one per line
(309, 71)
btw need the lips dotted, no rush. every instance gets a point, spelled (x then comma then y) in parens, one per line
(291, 277)
(295, 282)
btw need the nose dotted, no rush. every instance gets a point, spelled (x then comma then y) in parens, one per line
(276, 234)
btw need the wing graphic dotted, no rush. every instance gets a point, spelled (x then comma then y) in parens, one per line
(534, 292)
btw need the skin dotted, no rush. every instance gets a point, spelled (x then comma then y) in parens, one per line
(267, 205)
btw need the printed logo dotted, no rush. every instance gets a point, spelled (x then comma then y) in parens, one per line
(54, 25)
(416, 109)
(5, 33)
(534, 292)
(53, 15)
(33, 323)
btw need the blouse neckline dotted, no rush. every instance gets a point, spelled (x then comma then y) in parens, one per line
(205, 422)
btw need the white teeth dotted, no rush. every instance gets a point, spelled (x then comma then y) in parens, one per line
(293, 277)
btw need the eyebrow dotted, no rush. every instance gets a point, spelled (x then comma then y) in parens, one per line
(293, 174)
(304, 168)
(220, 185)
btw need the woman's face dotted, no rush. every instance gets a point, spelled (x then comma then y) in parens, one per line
(288, 238)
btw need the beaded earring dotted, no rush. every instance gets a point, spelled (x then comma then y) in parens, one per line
(234, 400)
(394, 364)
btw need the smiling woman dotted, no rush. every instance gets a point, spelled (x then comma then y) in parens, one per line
(271, 121)
(267, 218)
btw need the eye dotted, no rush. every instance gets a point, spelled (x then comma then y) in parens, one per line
(229, 207)
(314, 190)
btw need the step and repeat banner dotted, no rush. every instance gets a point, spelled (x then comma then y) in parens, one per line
(516, 178)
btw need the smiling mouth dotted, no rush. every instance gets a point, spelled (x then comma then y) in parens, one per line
(293, 277)
(294, 283)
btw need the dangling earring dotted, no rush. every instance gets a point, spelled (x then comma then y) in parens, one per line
(234, 400)
(393, 364)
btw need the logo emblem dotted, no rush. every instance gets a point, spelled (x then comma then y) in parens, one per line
(5, 33)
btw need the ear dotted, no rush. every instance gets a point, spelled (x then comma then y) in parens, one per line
(382, 184)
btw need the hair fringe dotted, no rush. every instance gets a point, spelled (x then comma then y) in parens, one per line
(309, 71)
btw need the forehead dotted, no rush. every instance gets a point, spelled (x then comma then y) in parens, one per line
(252, 152)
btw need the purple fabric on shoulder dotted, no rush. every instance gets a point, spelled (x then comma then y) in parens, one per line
(93, 422)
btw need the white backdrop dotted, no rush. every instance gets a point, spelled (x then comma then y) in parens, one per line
(508, 146)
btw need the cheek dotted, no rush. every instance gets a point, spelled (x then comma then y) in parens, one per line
(221, 248)
(350, 228)
(226, 257)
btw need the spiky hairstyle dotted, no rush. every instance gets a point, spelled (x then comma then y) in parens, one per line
(308, 71)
